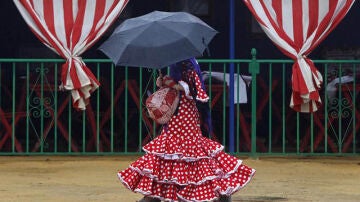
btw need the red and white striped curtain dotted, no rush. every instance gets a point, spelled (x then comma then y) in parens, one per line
(296, 27)
(70, 27)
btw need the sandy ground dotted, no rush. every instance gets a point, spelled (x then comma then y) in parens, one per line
(78, 179)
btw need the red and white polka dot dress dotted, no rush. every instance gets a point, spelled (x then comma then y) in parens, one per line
(182, 165)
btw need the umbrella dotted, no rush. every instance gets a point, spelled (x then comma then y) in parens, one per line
(158, 39)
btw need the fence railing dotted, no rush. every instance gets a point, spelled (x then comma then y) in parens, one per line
(38, 119)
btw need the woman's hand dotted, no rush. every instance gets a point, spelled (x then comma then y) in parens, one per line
(178, 87)
(159, 80)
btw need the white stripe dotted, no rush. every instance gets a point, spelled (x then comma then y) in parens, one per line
(82, 76)
(323, 9)
(108, 21)
(268, 28)
(87, 85)
(263, 16)
(271, 33)
(68, 85)
(107, 10)
(59, 24)
(287, 18)
(339, 7)
(305, 18)
(88, 21)
(306, 74)
(75, 9)
(89, 16)
(28, 19)
(39, 8)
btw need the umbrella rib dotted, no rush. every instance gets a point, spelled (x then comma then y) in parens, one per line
(168, 37)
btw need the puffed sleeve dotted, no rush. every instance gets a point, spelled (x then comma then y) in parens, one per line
(201, 94)
(169, 82)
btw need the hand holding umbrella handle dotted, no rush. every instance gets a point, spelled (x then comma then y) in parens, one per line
(160, 73)
(159, 80)
(179, 87)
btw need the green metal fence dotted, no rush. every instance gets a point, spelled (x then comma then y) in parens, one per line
(38, 119)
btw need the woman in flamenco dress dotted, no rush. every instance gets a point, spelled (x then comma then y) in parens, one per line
(181, 164)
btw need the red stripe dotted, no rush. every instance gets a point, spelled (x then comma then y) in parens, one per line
(313, 16)
(115, 3)
(99, 12)
(296, 100)
(49, 15)
(68, 20)
(297, 24)
(90, 74)
(64, 71)
(279, 30)
(31, 2)
(342, 13)
(76, 34)
(73, 75)
(94, 37)
(277, 5)
(327, 21)
(78, 23)
(73, 31)
(76, 103)
(39, 25)
(298, 83)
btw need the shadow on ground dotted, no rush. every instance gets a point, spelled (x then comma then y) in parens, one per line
(257, 199)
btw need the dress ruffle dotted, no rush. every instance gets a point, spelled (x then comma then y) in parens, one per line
(188, 148)
(189, 180)
(181, 164)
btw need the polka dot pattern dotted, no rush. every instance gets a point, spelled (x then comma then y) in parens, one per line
(201, 94)
(181, 164)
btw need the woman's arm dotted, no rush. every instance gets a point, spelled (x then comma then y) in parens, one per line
(168, 81)
(201, 93)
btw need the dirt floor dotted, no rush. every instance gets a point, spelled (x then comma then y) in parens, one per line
(80, 179)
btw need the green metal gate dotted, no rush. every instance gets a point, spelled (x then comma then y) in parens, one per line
(38, 119)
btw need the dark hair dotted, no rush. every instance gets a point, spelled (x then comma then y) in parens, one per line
(176, 72)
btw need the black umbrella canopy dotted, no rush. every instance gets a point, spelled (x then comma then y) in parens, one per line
(158, 39)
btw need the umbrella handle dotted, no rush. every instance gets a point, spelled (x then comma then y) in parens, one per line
(206, 47)
(159, 80)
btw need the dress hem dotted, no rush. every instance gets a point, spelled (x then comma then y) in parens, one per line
(180, 156)
(208, 178)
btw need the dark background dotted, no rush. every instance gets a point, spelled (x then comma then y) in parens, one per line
(17, 41)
